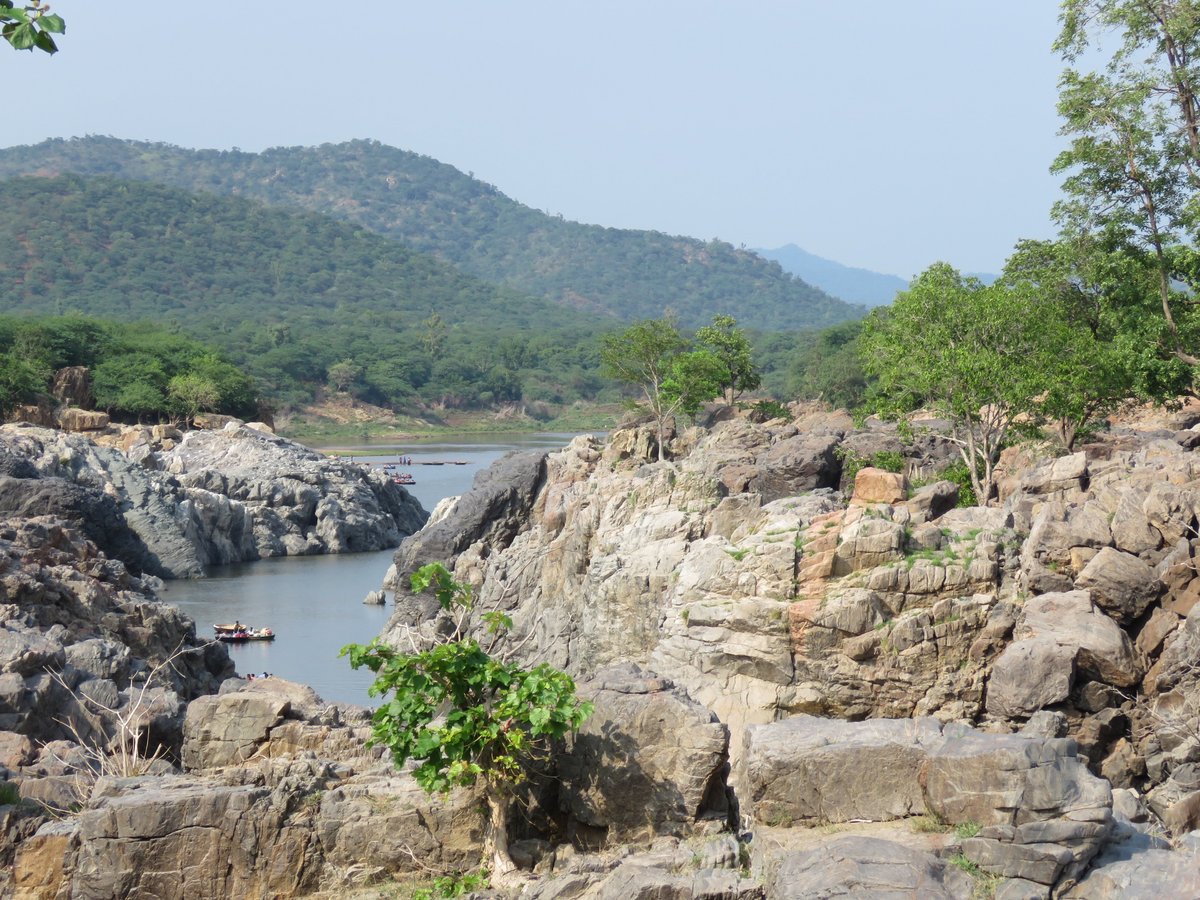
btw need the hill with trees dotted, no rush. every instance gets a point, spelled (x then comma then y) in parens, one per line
(298, 299)
(433, 208)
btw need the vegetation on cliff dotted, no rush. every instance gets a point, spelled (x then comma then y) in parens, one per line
(463, 712)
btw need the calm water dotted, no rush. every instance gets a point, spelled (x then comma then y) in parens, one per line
(314, 603)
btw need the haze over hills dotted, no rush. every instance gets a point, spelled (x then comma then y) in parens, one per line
(433, 208)
(847, 283)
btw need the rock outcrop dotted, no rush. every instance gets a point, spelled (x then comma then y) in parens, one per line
(736, 572)
(208, 498)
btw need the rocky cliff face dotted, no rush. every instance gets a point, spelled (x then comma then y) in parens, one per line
(741, 574)
(805, 685)
(174, 505)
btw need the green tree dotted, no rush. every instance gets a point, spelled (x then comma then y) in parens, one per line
(731, 346)
(342, 375)
(827, 366)
(1133, 167)
(126, 382)
(30, 26)
(193, 394)
(652, 355)
(1101, 342)
(971, 354)
(21, 381)
(465, 715)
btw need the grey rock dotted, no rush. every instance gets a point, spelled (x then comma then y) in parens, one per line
(1120, 584)
(648, 761)
(867, 868)
(805, 769)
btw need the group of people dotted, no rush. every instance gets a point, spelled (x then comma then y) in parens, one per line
(253, 677)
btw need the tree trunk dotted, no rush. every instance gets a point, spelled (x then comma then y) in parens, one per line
(495, 843)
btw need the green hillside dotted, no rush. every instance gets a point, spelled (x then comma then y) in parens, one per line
(433, 208)
(287, 294)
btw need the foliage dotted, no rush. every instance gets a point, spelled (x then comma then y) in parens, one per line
(1133, 166)
(451, 886)
(287, 296)
(853, 462)
(132, 366)
(974, 355)
(434, 209)
(826, 366)
(960, 474)
(769, 409)
(461, 713)
(654, 357)
(192, 394)
(731, 347)
(30, 26)
(1106, 344)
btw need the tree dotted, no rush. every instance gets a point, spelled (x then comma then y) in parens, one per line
(731, 346)
(827, 366)
(30, 26)
(653, 356)
(465, 715)
(1134, 161)
(1102, 343)
(342, 375)
(21, 381)
(192, 394)
(971, 354)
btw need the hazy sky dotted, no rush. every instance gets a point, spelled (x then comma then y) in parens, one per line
(878, 133)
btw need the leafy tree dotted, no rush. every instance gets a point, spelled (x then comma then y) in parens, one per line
(21, 381)
(731, 346)
(828, 367)
(192, 394)
(1134, 161)
(30, 26)
(972, 354)
(342, 374)
(465, 715)
(1101, 342)
(653, 356)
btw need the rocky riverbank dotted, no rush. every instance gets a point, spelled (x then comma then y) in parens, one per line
(805, 684)
(173, 504)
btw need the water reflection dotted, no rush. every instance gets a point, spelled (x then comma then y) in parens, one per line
(314, 603)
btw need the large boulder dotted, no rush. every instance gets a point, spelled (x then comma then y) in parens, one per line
(867, 867)
(493, 512)
(649, 760)
(1059, 636)
(809, 769)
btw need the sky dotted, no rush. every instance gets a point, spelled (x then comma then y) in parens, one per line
(881, 134)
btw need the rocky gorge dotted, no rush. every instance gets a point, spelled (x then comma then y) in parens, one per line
(809, 681)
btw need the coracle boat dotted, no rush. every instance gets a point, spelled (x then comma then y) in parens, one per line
(237, 633)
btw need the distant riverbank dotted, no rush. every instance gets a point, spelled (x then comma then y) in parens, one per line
(341, 423)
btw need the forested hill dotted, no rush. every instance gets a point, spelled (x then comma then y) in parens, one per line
(434, 208)
(287, 293)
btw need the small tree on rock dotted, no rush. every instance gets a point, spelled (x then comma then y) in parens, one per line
(465, 715)
(654, 356)
(731, 346)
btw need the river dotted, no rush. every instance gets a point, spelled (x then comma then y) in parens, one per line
(314, 603)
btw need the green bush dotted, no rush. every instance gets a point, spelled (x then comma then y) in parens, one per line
(961, 475)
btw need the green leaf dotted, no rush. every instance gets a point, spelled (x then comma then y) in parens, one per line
(22, 37)
(53, 23)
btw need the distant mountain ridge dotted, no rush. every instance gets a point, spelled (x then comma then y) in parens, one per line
(847, 283)
(433, 208)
